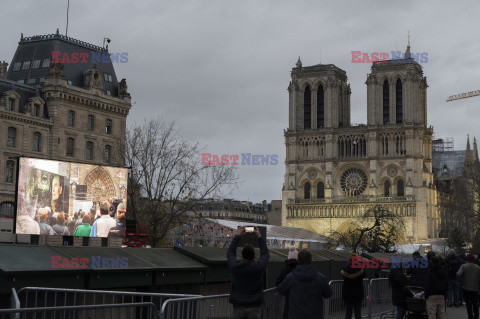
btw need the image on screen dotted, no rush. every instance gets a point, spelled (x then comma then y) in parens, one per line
(71, 199)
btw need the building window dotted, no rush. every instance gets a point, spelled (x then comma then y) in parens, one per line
(386, 103)
(17, 66)
(307, 108)
(399, 102)
(108, 127)
(26, 66)
(386, 188)
(21, 81)
(7, 209)
(12, 135)
(71, 118)
(110, 78)
(400, 188)
(91, 122)
(10, 171)
(320, 190)
(306, 190)
(36, 110)
(37, 138)
(108, 153)
(11, 104)
(89, 151)
(36, 64)
(70, 146)
(46, 63)
(320, 107)
(42, 80)
(108, 92)
(105, 77)
(69, 82)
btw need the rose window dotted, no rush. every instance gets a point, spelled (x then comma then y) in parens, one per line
(353, 182)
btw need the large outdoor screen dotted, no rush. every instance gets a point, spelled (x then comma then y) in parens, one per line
(70, 199)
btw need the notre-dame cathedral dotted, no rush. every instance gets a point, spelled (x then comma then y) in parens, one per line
(336, 171)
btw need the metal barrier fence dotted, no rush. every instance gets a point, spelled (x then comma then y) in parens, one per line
(334, 307)
(54, 303)
(197, 307)
(218, 307)
(380, 297)
(143, 310)
(31, 297)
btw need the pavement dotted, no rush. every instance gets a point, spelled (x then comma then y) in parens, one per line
(457, 313)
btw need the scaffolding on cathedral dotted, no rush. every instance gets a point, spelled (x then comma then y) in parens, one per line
(443, 144)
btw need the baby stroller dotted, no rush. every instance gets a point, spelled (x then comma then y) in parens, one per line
(416, 304)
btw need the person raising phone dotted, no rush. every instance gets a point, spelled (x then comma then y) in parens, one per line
(246, 291)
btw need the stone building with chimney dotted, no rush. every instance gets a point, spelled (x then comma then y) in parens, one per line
(63, 111)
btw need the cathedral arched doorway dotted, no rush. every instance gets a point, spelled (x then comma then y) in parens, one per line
(100, 185)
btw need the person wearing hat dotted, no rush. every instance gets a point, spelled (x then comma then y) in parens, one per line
(290, 265)
(26, 223)
(469, 276)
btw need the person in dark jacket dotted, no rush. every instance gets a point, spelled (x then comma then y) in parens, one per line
(306, 289)
(469, 276)
(398, 282)
(290, 265)
(246, 291)
(453, 265)
(418, 275)
(436, 287)
(352, 289)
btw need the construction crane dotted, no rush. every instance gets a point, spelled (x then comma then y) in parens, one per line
(463, 95)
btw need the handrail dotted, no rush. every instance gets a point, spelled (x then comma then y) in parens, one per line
(15, 302)
(153, 294)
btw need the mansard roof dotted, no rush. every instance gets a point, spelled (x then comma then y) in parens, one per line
(25, 91)
(40, 47)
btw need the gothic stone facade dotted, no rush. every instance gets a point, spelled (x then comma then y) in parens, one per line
(58, 111)
(336, 171)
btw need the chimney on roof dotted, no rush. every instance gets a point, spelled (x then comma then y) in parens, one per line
(3, 69)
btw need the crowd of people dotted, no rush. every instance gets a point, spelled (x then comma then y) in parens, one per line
(446, 282)
(104, 219)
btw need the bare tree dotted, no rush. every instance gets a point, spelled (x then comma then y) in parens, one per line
(167, 178)
(460, 206)
(379, 230)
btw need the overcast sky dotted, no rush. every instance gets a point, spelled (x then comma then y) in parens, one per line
(220, 69)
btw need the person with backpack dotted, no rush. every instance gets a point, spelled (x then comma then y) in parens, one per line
(290, 265)
(453, 264)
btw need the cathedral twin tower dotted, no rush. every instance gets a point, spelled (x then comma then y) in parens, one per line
(335, 171)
